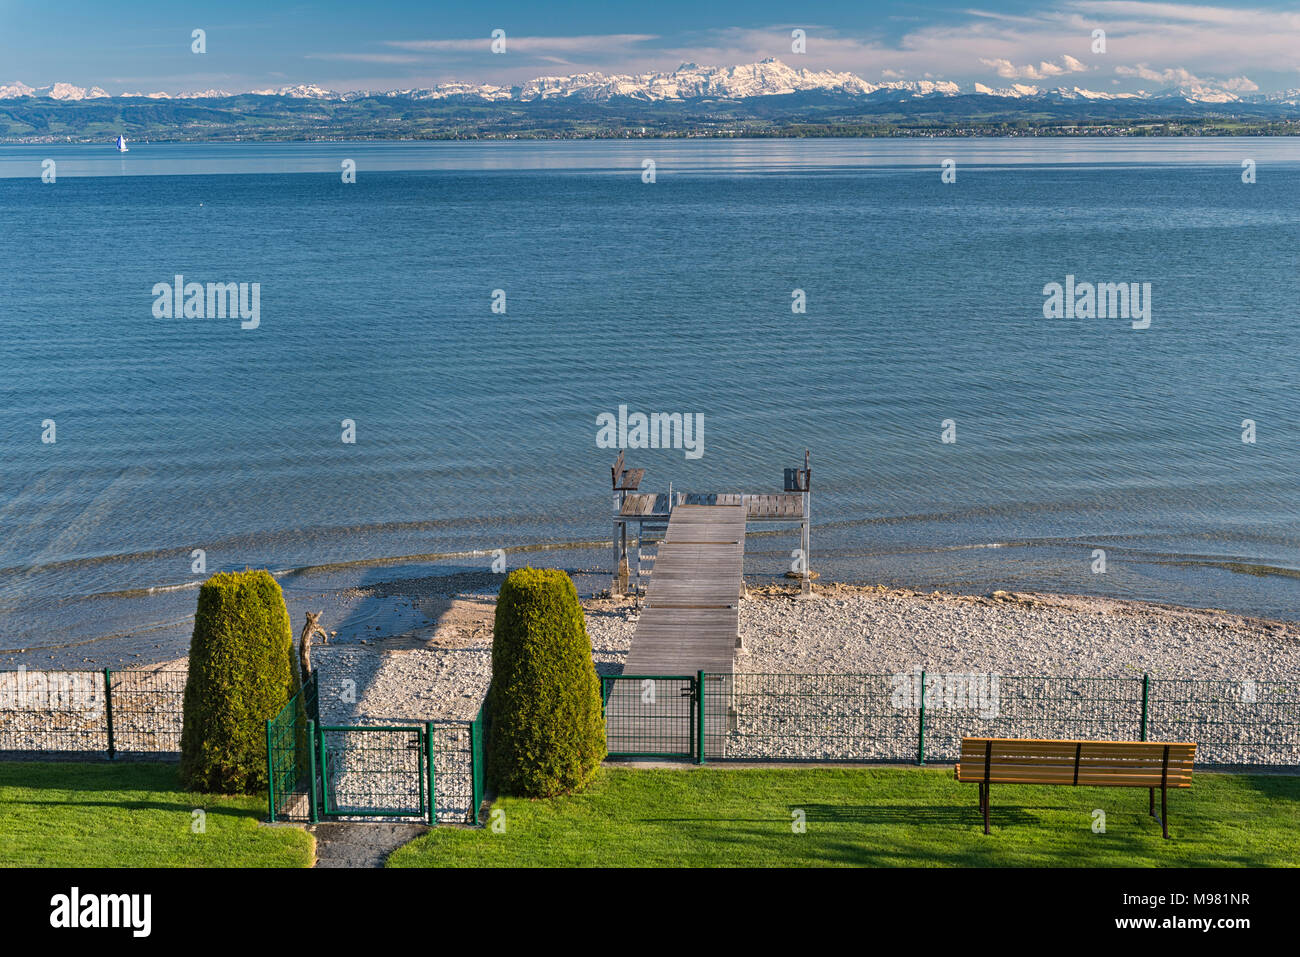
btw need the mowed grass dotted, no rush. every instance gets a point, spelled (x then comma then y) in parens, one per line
(132, 815)
(875, 817)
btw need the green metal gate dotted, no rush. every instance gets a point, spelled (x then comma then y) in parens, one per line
(374, 771)
(651, 716)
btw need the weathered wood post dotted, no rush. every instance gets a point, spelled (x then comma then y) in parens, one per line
(806, 529)
(310, 629)
(619, 584)
(624, 480)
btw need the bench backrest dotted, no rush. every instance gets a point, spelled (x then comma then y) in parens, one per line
(1111, 763)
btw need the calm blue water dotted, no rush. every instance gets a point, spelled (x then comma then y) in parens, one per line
(477, 430)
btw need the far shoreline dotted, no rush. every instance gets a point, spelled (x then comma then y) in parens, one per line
(1158, 129)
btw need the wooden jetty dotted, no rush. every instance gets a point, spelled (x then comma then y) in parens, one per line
(689, 622)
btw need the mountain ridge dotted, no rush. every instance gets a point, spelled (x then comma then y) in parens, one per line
(690, 81)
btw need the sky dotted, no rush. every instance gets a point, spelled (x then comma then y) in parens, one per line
(146, 45)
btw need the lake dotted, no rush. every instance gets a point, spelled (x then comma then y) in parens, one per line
(960, 438)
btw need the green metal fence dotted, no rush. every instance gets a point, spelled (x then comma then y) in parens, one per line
(922, 716)
(1097, 709)
(289, 754)
(81, 713)
(807, 718)
(1249, 722)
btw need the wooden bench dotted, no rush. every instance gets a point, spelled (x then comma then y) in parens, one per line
(1109, 764)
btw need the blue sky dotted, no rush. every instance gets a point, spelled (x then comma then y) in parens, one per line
(145, 45)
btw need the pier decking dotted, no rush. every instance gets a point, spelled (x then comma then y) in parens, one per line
(692, 601)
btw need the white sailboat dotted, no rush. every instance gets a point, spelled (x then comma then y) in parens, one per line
(121, 144)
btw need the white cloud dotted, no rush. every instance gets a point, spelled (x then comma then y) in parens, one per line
(1171, 77)
(1182, 77)
(1009, 71)
(1240, 84)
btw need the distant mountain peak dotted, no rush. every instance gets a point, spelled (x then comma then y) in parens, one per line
(767, 77)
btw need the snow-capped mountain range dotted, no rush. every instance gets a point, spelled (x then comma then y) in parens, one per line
(689, 81)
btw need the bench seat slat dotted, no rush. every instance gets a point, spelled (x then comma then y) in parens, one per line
(975, 774)
(1057, 742)
(1085, 761)
(977, 769)
(1146, 783)
(1087, 756)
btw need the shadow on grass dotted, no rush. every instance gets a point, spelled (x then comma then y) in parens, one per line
(90, 775)
(179, 807)
(955, 815)
(110, 778)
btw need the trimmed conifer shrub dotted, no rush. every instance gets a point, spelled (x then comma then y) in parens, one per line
(242, 672)
(548, 732)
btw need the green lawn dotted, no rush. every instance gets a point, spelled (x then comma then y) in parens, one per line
(715, 816)
(132, 815)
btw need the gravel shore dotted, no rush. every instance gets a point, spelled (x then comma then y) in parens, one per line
(849, 629)
(439, 668)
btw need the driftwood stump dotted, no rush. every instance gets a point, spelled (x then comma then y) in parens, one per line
(310, 627)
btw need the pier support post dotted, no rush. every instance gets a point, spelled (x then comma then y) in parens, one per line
(805, 542)
(618, 584)
(620, 546)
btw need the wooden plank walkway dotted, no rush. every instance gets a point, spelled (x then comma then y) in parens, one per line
(689, 622)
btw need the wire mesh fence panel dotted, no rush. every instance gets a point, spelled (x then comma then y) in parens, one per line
(53, 711)
(372, 771)
(288, 744)
(457, 763)
(148, 709)
(649, 716)
(998, 706)
(1232, 722)
(806, 717)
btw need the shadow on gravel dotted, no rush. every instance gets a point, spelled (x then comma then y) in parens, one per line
(359, 844)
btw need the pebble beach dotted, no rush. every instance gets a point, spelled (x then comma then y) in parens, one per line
(442, 670)
(433, 660)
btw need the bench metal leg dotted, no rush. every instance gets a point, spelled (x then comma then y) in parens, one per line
(984, 805)
(1163, 817)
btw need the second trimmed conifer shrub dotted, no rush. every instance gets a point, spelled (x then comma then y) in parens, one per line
(548, 731)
